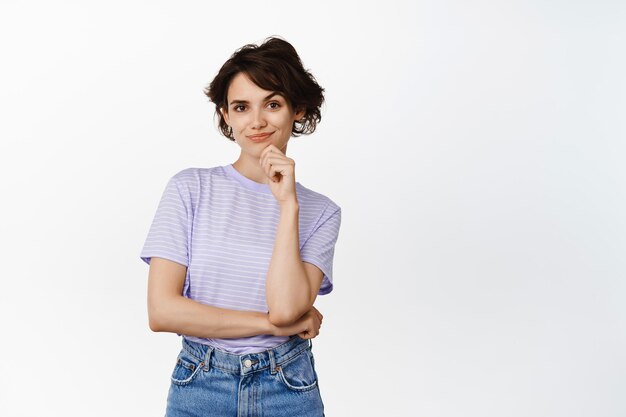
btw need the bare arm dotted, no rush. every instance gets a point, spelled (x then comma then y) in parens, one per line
(170, 311)
(291, 285)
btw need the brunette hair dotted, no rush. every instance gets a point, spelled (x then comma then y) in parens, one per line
(275, 66)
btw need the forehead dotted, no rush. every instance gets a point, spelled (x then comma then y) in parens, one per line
(242, 88)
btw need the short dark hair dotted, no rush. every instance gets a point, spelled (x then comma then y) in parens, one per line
(275, 66)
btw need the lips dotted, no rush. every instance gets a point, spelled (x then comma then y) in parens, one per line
(260, 137)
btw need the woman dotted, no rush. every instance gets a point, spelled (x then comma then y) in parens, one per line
(239, 252)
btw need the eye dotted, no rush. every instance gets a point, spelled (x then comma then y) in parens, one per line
(274, 105)
(237, 106)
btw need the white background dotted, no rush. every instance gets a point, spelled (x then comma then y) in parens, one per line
(476, 148)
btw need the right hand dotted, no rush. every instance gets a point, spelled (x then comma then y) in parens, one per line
(307, 326)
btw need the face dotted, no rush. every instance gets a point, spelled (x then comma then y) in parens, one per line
(254, 111)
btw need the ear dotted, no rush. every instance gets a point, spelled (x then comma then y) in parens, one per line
(225, 115)
(300, 112)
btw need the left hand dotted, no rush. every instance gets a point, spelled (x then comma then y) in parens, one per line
(281, 171)
(307, 326)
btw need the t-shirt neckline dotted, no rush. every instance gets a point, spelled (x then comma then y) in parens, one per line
(245, 181)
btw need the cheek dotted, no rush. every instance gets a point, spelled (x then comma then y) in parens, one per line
(282, 121)
(238, 122)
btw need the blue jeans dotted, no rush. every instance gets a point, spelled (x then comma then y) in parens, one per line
(277, 382)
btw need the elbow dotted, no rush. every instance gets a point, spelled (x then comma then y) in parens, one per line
(154, 325)
(155, 317)
(286, 314)
(282, 318)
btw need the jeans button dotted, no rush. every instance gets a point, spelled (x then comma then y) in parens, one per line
(247, 363)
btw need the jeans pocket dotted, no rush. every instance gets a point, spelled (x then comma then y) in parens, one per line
(298, 374)
(186, 369)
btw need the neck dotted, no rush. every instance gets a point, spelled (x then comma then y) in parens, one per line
(248, 166)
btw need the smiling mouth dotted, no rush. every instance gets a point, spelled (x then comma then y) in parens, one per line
(258, 138)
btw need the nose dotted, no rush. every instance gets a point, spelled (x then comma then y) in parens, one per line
(258, 121)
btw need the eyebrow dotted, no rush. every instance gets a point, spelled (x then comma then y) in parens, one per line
(270, 95)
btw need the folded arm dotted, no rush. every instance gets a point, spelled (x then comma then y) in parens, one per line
(170, 311)
(291, 285)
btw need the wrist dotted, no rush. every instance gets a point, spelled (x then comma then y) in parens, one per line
(268, 327)
(290, 205)
(274, 330)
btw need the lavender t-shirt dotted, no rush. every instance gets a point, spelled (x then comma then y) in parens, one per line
(222, 225)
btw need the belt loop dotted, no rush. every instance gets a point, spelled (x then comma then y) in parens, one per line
(270, 352)
(207, 358)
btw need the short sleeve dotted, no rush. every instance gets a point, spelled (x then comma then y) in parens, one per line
(319, 248)
(168, 234)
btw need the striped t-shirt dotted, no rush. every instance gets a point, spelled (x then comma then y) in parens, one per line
(222, 225)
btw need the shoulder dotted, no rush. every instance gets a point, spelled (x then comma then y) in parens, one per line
(309, 198)
(191, 182)
(195, 176)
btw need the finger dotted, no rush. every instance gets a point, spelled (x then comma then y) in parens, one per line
(269, 150)
(282, 169)
(274, 149)
(270, 154)
(267, 168)
(271, 161)
(273, 171)
(275, 162)
(285, 166)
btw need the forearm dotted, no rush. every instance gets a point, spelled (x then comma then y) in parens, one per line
(287, 287)
(185, 316)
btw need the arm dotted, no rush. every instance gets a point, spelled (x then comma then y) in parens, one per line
(291, 284)
(170, 311)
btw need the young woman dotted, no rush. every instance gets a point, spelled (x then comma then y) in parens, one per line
(239, 252)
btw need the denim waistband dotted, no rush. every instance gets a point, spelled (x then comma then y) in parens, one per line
(246, 363)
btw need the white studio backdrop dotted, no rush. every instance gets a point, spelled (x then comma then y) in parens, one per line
(476, 148)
